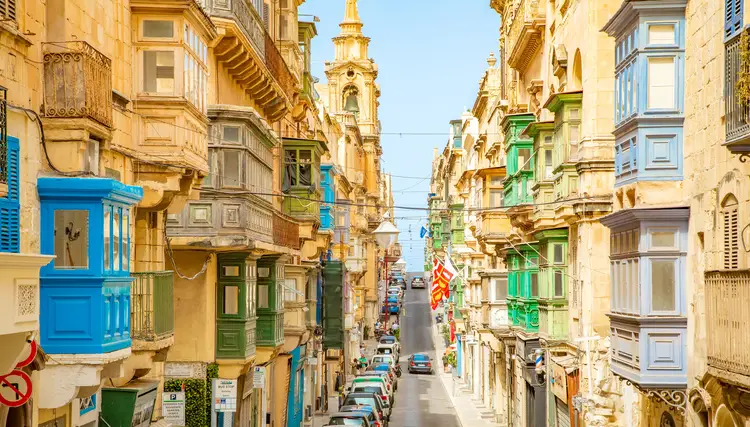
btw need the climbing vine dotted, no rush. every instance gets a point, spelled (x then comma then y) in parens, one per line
(743, 79)
(197, 396)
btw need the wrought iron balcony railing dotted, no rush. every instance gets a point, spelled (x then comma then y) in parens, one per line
(248, 16)
(77, 82)
(728, 319)
(285, 231)
(152, 306)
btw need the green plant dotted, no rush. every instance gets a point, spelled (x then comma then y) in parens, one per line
(446, 332)
(742, 86)
(197, 396)
(397, 334)
(452, 361)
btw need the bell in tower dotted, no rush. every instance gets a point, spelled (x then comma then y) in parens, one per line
(351, 100)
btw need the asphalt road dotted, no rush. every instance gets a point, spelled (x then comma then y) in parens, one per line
(421, 400)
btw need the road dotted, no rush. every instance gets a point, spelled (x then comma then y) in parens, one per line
(421, 400)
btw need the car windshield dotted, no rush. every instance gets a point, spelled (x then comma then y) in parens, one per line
(367, 389)
(362, 400)
(388, 340)
(342, 421)
(421, 357)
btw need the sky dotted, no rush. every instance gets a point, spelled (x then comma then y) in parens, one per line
(431, 55)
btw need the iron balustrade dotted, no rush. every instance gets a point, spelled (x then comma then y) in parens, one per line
(152, 305)
(728, 320)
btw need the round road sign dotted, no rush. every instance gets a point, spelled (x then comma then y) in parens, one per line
(29, 353)
(15, 389)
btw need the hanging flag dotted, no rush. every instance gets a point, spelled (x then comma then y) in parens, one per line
(435, 297)
(442, 276)
(422, 232)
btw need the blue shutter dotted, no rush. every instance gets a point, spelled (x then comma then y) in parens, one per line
(9, 206)
(733, 17)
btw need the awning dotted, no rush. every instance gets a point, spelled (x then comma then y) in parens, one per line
(569, 363)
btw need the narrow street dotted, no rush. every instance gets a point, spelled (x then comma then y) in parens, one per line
(421, 400)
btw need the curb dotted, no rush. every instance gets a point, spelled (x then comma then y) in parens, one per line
(439, 349)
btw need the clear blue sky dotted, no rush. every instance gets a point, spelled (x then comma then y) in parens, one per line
(431, 55)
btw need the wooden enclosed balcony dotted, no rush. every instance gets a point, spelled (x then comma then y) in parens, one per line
(737, 110)
(285, 231)
(728, 320)
(77, 82)
(251, 57)
(526, 33)
(152, 306)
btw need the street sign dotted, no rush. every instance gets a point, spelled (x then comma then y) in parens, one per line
(225, 395)
(15, 389)
(173, 408)
(28, 355)
(259, 377)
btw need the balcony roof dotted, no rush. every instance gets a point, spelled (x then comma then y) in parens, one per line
(626, 14)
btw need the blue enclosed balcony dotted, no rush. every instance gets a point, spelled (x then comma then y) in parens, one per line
(648, 308)
(649, 90)
(85, 291)
(327, 221)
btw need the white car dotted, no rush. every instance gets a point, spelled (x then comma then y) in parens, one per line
(391, 349)
(376, 387)
(384, 358)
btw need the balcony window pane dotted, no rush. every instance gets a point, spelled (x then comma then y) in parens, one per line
(634, 297)
(523, 159)
(501, 289)
(213, 168)
(231, 134)
(116, 242)
(231, 300)
(262, 296)
(558, 284)
(158, 71)
(663, 239)
(289, 288)
(107, 236)
(661, 83)
(232, 173)
(661, 34)
(548, 164)
(663, 285)
(126, 240)
(305, 167)
(496, 198)
(158, 29)
(535, 284)
(558, 253)
(72, 239)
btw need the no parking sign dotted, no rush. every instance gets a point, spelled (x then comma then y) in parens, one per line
(15, 389)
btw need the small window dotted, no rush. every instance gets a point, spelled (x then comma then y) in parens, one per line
(213, 169)
(661, 83)
(663, 285)
(232, 172)
(524, 161)
(501, 289)
(263, 296)
(264, 272)
(107, 237)
(534, 284)
(158, 71)
(289, 290)
(158, 29)
(558, 284)
(231, 271)
(548, 164)
(232, 134)
(496, 198)
(662, 34)
(231, 303)
(116, 241)
(71, 239)
(557, 253)
(663, 239)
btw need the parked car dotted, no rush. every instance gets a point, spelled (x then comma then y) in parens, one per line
(357, 419)
(371, 399)
(387, 368)
(388, 349)
(421, 363)
(374, 386)
(417, 283)
(372, 413)
(382, 375)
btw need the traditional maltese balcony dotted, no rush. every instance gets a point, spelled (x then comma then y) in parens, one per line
(526, 32)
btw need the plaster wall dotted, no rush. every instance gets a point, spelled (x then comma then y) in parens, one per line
(194, 309)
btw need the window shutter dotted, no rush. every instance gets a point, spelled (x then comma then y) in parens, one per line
(8, 9)
(9, 207)
(733, 17)
(731, 237)
(266, 17)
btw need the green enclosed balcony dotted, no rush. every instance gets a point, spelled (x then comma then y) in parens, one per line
(236, 306)
(542, 134)
(301, 181)
(457, 224)
(270, 301)
(152, 306)
(566, 140)
(520, 159)
(334, 280)
(523, 287)
(553, 283)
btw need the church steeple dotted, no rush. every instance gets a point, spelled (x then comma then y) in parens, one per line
(351, 25)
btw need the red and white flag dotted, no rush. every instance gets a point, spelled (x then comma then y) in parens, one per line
(442, 274)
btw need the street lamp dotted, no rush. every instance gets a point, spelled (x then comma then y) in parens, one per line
(385, 234)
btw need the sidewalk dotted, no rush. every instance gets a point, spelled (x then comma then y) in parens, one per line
(470, 412)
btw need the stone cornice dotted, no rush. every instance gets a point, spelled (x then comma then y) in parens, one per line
(626, 217)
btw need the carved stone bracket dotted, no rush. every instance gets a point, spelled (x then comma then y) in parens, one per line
(744, 157)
